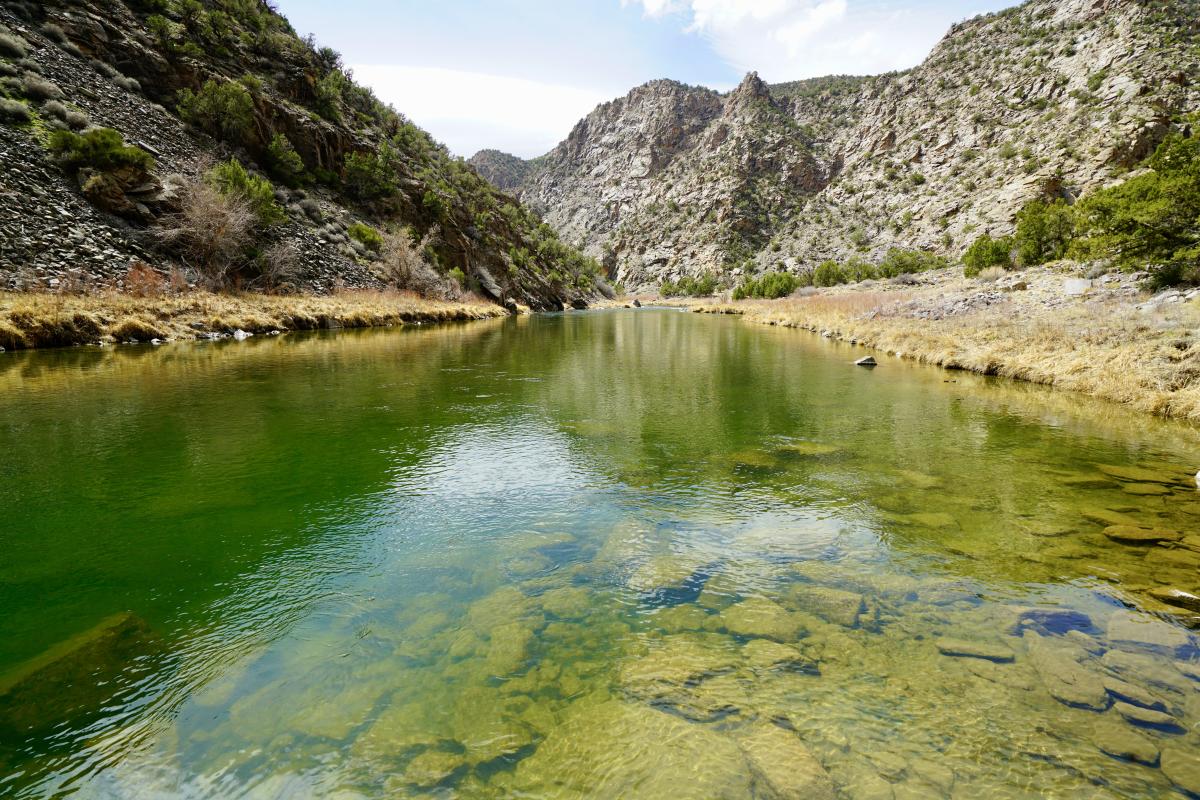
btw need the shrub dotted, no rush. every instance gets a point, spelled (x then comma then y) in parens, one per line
(223, 108)
(12, 46)
(899, 261)
(367, 236)
(689, 286)
(1150, 220)
(232, 180)
(828, 273)
(14, 112)
(212, 231)
(1044, 231)
(404, 265)
(991, 274)
(284, 162)
(856, 269)
(371, 176)
(141, 280)
(769, 286)
(35, 87)
(100, 148)
(987, 252)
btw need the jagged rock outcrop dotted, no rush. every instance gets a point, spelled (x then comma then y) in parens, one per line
(504, 171)
(1051, 98)
(124, 65)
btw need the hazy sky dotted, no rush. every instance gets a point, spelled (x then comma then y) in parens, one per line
(518, 74)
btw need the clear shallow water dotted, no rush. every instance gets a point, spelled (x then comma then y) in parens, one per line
(617, 554)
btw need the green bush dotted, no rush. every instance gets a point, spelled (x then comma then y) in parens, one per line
(688, 286)
(371, 176)
(100, 148)
(284, 162)
(223, 108)
(367, 236)
(899, 261)
(231, 179)
(1152, 220)
(987, 252)
(829, 273)
(769, 286)
(1044, 232)
(856, 269)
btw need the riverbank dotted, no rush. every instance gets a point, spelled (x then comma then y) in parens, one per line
(1102, 338)
(61, 320)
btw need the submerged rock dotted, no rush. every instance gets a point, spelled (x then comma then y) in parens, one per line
(833, 605)
(610, 748)
(763, 654)
(663, 573)
(1134, 534)
(982, 650)
(1049, 620)
(1119, 741)
(1131, 630)
(75, 677)
(432, 768)
(1182, 768)
(1146, 670)
(1138, 474)
(759, 617)
(1061, 672)
(807, 449)
(1176, 597)
(1133, 694)
(1148, 718)
(783, 766)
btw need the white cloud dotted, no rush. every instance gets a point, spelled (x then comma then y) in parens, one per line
(791, 39)
(470, 111)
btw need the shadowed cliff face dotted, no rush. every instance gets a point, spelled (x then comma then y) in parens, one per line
(125, 66)
(1045, 99)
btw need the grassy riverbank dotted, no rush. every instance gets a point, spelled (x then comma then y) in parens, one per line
(1109, 342)
(60, 320)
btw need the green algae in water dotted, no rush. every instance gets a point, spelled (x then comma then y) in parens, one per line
(638, 554)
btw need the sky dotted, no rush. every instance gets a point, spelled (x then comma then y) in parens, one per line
(516, 75)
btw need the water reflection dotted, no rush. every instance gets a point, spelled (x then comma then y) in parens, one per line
(644, 554)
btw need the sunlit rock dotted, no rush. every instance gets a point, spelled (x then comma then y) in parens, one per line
(986, 651)
(1068, 681)
(1119, 741)
(759, 617)
(610, 748)
(834, 605)
(783, 766)
(1133, 631)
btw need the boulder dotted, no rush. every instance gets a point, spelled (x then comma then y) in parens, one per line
(1133, 694)
(1176, 597)
(869, 361)
(1145, 670)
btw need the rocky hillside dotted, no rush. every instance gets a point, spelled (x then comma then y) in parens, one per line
(504, 171)
(357, 195)
(1050, 99)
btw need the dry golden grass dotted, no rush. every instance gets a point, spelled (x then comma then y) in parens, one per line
(59, 320)
(1148, 360)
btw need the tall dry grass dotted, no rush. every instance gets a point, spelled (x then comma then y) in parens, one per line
(59, 319)
(1148, 360)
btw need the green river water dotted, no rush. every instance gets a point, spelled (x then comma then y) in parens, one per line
(607, 554)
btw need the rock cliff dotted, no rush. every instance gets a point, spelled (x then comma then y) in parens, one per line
(1048, 99)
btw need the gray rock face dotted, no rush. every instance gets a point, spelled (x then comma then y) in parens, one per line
(676, 180)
